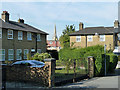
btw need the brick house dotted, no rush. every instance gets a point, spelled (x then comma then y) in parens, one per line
(17, 39)
(91, 36)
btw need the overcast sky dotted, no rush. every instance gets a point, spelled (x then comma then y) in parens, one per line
(44, 15)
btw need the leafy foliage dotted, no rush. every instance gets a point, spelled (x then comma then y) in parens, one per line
(113, 62)
(65, 38)
(39, 56)
(67, 54)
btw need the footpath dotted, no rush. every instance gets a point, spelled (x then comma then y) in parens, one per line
(111, 81)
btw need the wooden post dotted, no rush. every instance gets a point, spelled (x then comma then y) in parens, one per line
(52, 63)
(74, 70)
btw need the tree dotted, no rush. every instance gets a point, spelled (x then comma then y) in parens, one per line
(65, 38)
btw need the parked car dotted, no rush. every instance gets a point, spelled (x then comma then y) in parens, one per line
(30, 63)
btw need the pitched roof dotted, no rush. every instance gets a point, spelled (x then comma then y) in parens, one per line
(93, 30)
(20, 26)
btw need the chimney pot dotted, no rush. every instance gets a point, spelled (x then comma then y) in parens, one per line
(81, 25)
(5, 16)
(116, 24)
(20, 20)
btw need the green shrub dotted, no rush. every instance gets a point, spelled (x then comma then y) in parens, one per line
(113, 62)
(41, 56)
(97, 52)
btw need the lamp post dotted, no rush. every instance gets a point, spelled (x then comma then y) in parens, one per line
(105, 57)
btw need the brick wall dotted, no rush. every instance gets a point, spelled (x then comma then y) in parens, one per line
(108, 40)
(21, 44)
(28, 74)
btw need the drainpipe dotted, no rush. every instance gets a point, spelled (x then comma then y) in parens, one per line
(86, 40)
(36, 42)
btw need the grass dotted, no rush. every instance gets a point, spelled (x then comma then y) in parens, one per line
(62, 74)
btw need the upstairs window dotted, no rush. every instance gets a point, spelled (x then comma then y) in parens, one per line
(2, 54)
(78, 38)
(20, 35)
(10, 34)
(29, 36)
(90, 38)
(10, 54)
(0, 32)
(38, 37)
(102, 37)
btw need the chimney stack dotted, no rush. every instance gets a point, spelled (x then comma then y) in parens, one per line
(81, 25)
(5, 16)
(116, 24)
(20, 20)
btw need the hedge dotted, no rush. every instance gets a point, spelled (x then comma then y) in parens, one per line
(97, 52)
(113, 62)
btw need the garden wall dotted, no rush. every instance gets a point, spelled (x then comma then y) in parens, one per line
(28, 74)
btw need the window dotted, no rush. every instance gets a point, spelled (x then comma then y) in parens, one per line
(118, 36)
(2, 54)
(38, 37)
(51, 42)
(26, 51)
(78, 38)
(29, 36)
(0, 32)
(39, 50)
(20, 35)
(90, 38)
(102, 37)
(19, 54)
(10, 34)
(10, 54)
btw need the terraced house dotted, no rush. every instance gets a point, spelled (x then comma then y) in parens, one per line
(17, 39)
(91, 36)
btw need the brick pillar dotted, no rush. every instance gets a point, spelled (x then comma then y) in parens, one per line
(91, 66)
(52, 63)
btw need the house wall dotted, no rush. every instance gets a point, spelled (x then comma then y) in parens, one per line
(109, 41)
(21, 44)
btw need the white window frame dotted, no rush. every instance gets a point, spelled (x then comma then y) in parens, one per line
(0, 32)
(10, 34)
(38, 50)
(38, 37)
(102, 38)
(29, 36)
(25, 54)
(18, 54)
(9, 54)
(89, 38)
(20, 35)
(1, 54)
(78, 38)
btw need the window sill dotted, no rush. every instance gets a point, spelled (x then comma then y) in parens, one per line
(10, 38)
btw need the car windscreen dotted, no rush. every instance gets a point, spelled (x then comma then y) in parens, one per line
(37, 62)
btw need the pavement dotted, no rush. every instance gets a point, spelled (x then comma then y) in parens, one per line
(112, 81)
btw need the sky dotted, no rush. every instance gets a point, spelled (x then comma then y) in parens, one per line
(44, 15)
